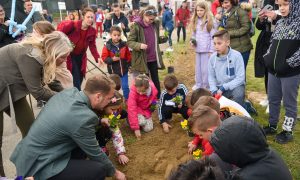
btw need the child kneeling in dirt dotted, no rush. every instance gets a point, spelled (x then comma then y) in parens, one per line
(226, 72)
(141, 97)
(114, 112)
(172, 100)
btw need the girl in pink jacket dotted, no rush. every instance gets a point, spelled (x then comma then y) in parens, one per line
(142, 95)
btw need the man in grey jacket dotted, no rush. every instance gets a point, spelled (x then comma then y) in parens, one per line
(65, 124)
(35, 17)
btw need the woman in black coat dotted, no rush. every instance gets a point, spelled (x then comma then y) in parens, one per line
(5, 38)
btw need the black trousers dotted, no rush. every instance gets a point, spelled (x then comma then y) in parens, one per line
(167, 111)
(153, 68)
(78, 168)
(76, 71)
(183, 31)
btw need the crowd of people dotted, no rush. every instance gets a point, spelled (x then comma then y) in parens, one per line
(67, 140)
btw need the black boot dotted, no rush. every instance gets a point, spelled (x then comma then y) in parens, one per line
(270, 129)
(284, 137)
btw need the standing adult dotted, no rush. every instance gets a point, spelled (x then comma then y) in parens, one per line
(82, 35)
(237, 22)
(99, 17)
(36, 15)
(117, 17)
(266, 26)
(5, 38)
(168, 24)
(22, 67)
(47, 16)
(144, 41)
(65, 127)
(182, 18)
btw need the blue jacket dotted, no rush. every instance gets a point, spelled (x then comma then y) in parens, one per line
(227, 72)
(66, 122)
(167, 20)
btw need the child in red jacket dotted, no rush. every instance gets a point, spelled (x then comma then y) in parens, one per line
(116, 55)
(141, 97)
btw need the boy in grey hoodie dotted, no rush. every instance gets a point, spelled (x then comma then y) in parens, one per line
(226, 73)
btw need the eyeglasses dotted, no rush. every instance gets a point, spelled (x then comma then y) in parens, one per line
(151, 12)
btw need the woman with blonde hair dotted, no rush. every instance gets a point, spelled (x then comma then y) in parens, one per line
(24, 69)
(62, 74)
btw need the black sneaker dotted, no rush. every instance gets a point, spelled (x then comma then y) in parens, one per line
(270, 130)
(284, 137)
(250, 108)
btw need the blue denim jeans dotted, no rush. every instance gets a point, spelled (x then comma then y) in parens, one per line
(125, 86)
(237, 95)
(170, 36)
(246, 56)
(76, 71)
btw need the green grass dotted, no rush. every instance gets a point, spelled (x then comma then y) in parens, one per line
(289, 152)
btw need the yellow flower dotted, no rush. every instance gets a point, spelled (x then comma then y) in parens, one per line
(184, 124)
(119, 116)
(197, 154)
(111, 116)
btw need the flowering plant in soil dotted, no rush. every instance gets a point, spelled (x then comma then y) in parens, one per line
(117, 54)
(197, 154)
(177, 100)
(153, 106)
(184, 125)
(166, 34)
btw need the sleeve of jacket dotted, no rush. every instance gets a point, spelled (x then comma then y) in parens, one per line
(208, 149)
(196, 140)
(260, 25)
(128, 55)
(132, 108)
(164, 20)
(32, 75)
(212, 32)
(161, 107)
(239, 73)
(107, 25)
(127, 29)
(85, 138)
(93, 47)
(66, 27)
(153, 94)
(132, 38)
(212, 80)
(245, 24)
(214, 7)
(294, 60)
(2, 33)
(105, 56)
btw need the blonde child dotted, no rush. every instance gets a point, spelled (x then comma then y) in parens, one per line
(105, 133)
(142, 94)
(203, 28)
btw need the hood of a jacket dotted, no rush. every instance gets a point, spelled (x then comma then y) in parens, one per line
(109, 44)
(240, 141)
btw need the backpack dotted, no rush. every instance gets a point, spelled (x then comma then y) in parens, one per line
(252, 28)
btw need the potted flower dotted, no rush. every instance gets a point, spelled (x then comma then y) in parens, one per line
(197, 154)
(177, 100)
(171, 61)
(153, 106)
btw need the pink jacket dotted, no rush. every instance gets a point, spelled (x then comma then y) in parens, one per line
(139, 104)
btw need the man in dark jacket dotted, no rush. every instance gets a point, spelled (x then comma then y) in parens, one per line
(242, 142)
(116, 18)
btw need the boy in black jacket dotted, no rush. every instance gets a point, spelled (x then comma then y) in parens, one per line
(172, 100)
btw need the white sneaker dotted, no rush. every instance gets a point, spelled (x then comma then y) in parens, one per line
(170, 49)
(268, 109)
(264, 102)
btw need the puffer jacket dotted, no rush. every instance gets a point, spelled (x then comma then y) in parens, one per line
(238, 25)
(139, 104)
(283, 56)
(110, 50)
(242, 142)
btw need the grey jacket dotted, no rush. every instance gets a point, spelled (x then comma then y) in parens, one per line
(35, 18)
(66, 122)
(22, 73)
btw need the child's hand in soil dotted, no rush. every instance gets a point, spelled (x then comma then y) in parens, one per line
(191, 147)
(119, 175)
(123, 159)
(116, 58)
(105, 121)
(166, 127)
(138, 134)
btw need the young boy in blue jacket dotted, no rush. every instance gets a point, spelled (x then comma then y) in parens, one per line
(226, 73)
